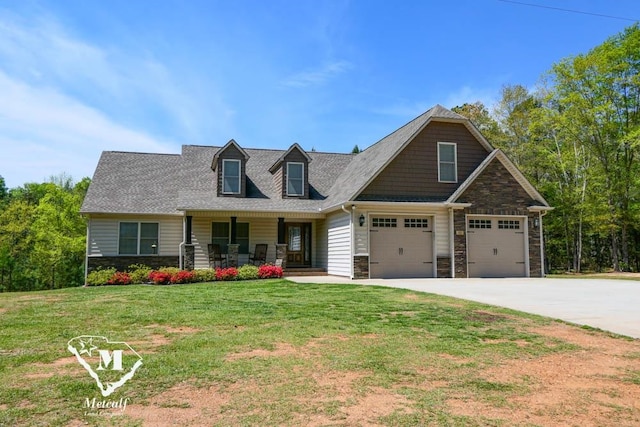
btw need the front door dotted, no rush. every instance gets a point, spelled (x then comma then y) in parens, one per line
(298, 244)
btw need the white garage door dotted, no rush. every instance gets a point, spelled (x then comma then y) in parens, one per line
(401, 247)
(496, 246)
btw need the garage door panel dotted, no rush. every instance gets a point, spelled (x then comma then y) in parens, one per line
(401, 247)
(496, 247)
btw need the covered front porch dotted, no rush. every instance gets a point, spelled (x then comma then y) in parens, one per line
(291, 239)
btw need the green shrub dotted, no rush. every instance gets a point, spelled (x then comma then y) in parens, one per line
(100, 277)
(139, 273)
(169, 270)
(205, 275)
(248, 272)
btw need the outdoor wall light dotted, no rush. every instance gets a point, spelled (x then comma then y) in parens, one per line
(361, 220)
(536, 222)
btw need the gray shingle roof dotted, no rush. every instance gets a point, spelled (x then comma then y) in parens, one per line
(199, 192)
(166, 184)
(134, 183)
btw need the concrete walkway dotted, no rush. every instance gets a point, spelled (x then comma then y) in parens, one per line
(612, 305)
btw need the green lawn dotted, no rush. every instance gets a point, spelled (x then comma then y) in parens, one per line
(420, 349)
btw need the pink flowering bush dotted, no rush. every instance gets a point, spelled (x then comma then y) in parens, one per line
(230, 273)
(119, 278)
(160, 277)
(183, 276)
(268, 271)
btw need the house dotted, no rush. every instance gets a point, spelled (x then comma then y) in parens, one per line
(432, 199)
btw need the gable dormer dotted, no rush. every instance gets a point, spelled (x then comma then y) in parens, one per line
(230, 165)
(291, 173)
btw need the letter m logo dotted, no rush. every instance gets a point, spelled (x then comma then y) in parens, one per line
(107, 358)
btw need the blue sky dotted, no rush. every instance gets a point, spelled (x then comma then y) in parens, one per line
(81, 76)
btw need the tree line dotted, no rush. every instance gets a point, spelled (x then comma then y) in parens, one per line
(577, 138)
(42, 235)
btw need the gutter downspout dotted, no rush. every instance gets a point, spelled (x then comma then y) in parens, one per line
(350, 238)
(181, 245)
(543, 272)
(452, 250)
(86, 249)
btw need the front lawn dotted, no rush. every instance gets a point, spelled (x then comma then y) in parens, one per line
(277, 353)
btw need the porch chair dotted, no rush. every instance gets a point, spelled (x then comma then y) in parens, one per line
(216, 256)
(259, 255)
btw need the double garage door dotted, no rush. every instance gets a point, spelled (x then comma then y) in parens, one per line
(400, 246)
(496, 246)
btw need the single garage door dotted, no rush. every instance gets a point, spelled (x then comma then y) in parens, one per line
(400, 247)
(496, 246)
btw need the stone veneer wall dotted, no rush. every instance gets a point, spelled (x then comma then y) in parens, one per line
(189, 257)
(460, 243)
(121, 263)
(535, 247)
(496, 192)
(361, 267)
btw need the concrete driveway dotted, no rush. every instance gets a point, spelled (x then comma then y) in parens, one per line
(612, 305)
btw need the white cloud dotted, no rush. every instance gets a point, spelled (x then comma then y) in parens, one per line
(65, 99)
(44, 132)
(319, 76)
(466, 94)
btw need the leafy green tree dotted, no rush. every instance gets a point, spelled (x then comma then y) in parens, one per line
(4, 193)
(58, 233)
(479, 115)
(16, 245)
(598, 96)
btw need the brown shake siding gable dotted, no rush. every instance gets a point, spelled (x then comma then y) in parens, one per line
(414, 172)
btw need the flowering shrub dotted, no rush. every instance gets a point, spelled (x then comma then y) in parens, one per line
(183, 277)
(160, 277)
(119, 278)
(226, 273)
(268, 271)
(139, 273)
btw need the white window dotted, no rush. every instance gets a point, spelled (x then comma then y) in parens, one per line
(509, 224)
(416, 223)
(479, 223)
(447, 162)
(384, 222)
(221, 235)
(231, 176)
(138, 238)
(295, 179)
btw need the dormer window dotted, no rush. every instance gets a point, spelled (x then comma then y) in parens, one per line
(291, 173)
(295, 179)
(230, 176)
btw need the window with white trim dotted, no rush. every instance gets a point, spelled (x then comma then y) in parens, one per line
(479, 223)
(295, 179)
(508, 224)
(221, 235)
(138, 238)
(384, 222)
(416, 223)
(447, 162)
(231, 176)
